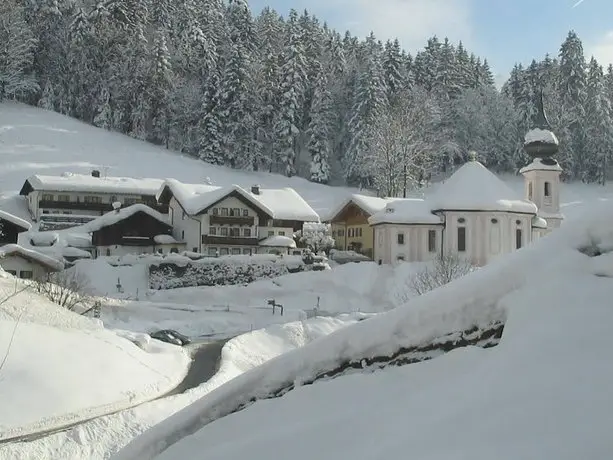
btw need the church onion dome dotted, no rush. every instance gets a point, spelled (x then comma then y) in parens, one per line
(541, 142)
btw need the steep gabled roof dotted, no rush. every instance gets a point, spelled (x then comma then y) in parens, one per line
(112, 217)
(34, 256)
(69, 182)
(474, 188)
(283, 204)
(17, 221)
(369, 204)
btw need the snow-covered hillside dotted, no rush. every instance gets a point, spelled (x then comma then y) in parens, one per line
(61, 367)
(543, 392)
(33, 141)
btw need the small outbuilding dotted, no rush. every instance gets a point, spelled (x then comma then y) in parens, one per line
(28, 263)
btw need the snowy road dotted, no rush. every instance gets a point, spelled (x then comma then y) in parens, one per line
(206, 357)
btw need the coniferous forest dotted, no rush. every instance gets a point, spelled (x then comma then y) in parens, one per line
(288, 94)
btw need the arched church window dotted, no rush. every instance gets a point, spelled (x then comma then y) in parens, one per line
(547, 189)
(495, 232)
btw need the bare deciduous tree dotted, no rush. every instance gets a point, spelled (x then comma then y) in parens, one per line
(68, 289)
(445, 269)
(402, 143)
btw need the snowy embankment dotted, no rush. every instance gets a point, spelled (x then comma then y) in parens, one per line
(61, 367)
(540, 291)
(99, 439)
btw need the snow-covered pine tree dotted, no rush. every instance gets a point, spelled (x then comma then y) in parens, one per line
(599, 127)
(17, 46)
(392, 68)
(319, 129)
(292, 76)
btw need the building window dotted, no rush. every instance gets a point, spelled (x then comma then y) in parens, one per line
(431, 240)
(12, 272)
(529, 190)
(47, 197)
(223, 251)
(26, 274)
(224, 212)
(183, 216)
(341, 233)
(271, 233)
(247, 232)
(400, 238)
(131, 201)
(194, 249)
(174, 251)
(349, 233)
(235, 232)
(400, 258)
(281, 233)
(63, 198)
(495, 237)
(237, 212)
(182, 234)
(245, 213)
(461, 239)
(547, 189)
(94, 199)
(108, 252)
(247, 251)
(212, 231)
(518, 238)
(223, 231)
(215, 212)
(359, 232)
(236, 251)
(212, 251)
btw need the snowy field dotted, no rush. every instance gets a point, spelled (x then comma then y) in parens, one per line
(543, 392)
(227, 310)
(35, 141)
(99, 439)
(61, 367)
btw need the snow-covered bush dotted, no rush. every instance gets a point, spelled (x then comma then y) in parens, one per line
(221, 271)
(316, 236)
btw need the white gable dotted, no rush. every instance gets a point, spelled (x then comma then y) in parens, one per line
(474, 188)
(30, 254)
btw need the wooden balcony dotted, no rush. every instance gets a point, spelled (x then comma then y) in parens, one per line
(232, 220)
(229, 241)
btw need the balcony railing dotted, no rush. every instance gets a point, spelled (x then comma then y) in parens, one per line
(229, 240)
(92, 206)
(232, 220)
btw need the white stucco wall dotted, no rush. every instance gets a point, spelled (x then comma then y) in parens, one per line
(185, 228)
(415, 247)
(534, 190)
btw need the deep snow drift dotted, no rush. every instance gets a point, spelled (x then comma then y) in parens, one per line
(61, 367)
(100, 438)
(544, 392)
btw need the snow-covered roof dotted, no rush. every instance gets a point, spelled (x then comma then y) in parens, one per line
(43, 239)
(370, 204)
(69, 182)
(112, 217)
(406, 211)
(283, 204)
(538, 165)
(540, 135)
(164, 239)
(77, 240)
(278, 241)
(18, 221)
(32, 255)
(474, 188)
(539, 222)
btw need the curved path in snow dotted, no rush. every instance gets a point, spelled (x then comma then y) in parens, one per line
(206, 357)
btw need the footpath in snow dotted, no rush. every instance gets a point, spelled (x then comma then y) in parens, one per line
(61, 367)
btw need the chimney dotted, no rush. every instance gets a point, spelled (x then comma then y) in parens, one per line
(255, 189)
(95, 173)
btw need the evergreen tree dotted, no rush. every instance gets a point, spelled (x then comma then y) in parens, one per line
(392, 68)
(319, 135)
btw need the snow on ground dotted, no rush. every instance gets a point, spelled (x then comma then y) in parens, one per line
(101, 438)
(224, 310)
(36, 141)
(544, 392)
(62, 367)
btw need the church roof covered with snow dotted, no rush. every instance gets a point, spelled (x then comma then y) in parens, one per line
(474, 188)
(406, 211)
(69, 182)
(282, 204)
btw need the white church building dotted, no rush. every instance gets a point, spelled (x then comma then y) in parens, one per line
(474, 214)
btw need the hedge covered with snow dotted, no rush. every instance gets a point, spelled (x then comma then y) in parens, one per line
(177, 272)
